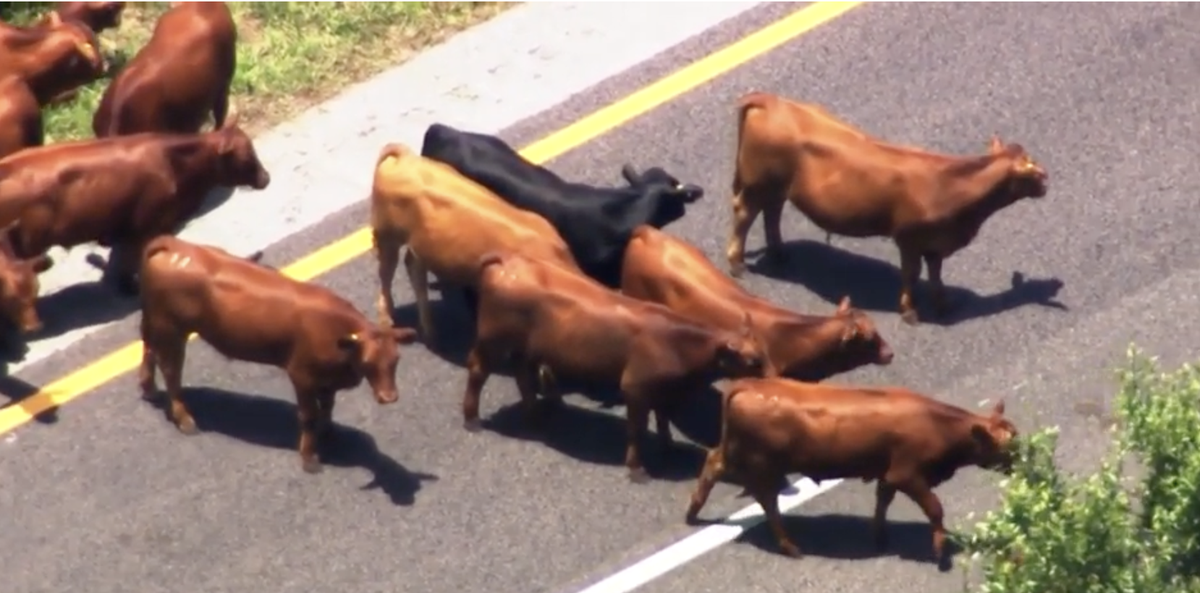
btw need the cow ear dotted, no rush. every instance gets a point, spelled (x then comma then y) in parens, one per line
(404, 335)
(41, 263)
(995, 146)
(844, 305)
(350, 342)
(630, 174)
(53, 19)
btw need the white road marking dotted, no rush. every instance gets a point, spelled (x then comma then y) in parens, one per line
(705, 540)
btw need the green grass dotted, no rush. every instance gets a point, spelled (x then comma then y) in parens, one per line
(291, 55)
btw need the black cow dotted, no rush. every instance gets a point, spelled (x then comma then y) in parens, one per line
(596, 222)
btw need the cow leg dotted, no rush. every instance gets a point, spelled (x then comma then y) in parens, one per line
(910, 274)
(470, 298)
(418, 277)
(308, 415)
(387, 257)
(169, 355)
(714, 468)
(933, 263)
(662, 424)
(772, 218)
(527, 385)
(744, 213)
(220, 108)
(548, 386)
(146, 381)
(325, 402)
(477, 376)
(923, 495)
(124, 258)
(884, 495)
(637, 416)
(766, 493)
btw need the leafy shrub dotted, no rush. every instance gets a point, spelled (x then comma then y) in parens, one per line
(1105, 532)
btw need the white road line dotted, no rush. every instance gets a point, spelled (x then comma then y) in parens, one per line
(705, 540)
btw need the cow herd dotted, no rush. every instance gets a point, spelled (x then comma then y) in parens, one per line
(562, 280)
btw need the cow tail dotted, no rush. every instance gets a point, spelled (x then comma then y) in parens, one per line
(745, 104)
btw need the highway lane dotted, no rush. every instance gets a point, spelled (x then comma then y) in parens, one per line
(233, 512)
(1097, 94)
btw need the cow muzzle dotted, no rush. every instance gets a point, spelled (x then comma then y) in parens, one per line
(262, 180)
(885, 354)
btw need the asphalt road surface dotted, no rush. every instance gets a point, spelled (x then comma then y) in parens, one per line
(111, 498)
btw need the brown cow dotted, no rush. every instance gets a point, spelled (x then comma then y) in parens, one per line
(663, 269)
(52, 59)
(177, 78)
(98, 16)
(847, 183)
(119, 192)
(546, 316)
(19, 287)
(448, 222)
(903, 440)
(252, 313)
(20, 116)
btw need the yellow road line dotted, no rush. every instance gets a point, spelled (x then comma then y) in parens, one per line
(577, 134)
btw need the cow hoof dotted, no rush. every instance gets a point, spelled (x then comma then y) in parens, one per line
(791, 551)
(152, 396)
(187, 427)
(639, 476)
(312, 466)
(472, 425)
(910, 318)
(737, 270)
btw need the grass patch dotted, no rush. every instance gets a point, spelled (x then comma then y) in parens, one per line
(291, 55)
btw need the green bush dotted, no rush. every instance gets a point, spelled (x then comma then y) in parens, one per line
(1105, 532)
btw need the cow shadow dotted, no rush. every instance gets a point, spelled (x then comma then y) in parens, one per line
(17, 391)
(874, 285)
(82, 305)
(213, 200)
(593, 436)
(848, 537)
(452, 322)
(270, 422)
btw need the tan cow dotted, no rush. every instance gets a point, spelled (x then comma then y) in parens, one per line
(848, 183)
(552, 319)
(448, 223)
(904, 441)
(255, 314)
(664, 269)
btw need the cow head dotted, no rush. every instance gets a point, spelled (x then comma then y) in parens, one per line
(375, 352)
(71, 57)
(19, 289)
(994, 437)
(861, 340)
(98, 16)
(238, 163)
(744, 355)
(673, 195)
(1027, 179)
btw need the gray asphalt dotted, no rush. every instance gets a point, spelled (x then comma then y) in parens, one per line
(110, 497)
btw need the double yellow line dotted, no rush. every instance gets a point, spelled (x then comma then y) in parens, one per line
(127, 358)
